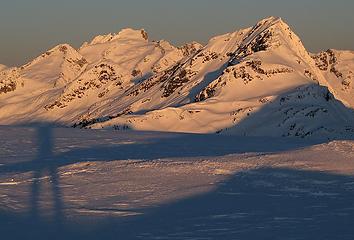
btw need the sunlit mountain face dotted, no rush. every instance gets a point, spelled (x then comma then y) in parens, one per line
(258, 81)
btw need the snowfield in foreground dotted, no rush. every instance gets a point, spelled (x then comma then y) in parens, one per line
(101, 184)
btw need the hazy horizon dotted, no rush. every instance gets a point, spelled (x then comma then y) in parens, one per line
(30, 28)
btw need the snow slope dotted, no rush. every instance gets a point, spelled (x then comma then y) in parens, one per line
(96, 184)
(258, 81)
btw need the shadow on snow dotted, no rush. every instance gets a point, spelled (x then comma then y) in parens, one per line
(268, 203)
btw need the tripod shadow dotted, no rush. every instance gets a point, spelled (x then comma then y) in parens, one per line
(42, 161)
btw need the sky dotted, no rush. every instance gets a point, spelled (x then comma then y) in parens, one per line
(30, 27)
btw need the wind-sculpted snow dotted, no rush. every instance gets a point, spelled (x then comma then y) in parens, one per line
(125, 81)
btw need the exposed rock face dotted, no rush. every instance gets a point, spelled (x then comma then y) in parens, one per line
(191, 48)
(9, 80)
(7, 86)
(99, 77)
(337, 66)
(144, 34)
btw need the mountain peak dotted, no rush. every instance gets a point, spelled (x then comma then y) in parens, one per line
(129, 33)
(270, 19)
(124, 34)
(271, 22)
(63, 48)
(60, 50)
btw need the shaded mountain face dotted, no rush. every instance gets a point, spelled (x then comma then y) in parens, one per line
(255, 81)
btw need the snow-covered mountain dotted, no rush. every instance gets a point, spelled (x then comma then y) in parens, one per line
(256, 81)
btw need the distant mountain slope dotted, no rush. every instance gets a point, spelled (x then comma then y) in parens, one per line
(256, 81)
(63, 83)
(338, 69)
(2, 67)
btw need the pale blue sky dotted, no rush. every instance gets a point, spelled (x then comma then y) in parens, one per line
(29, 27)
